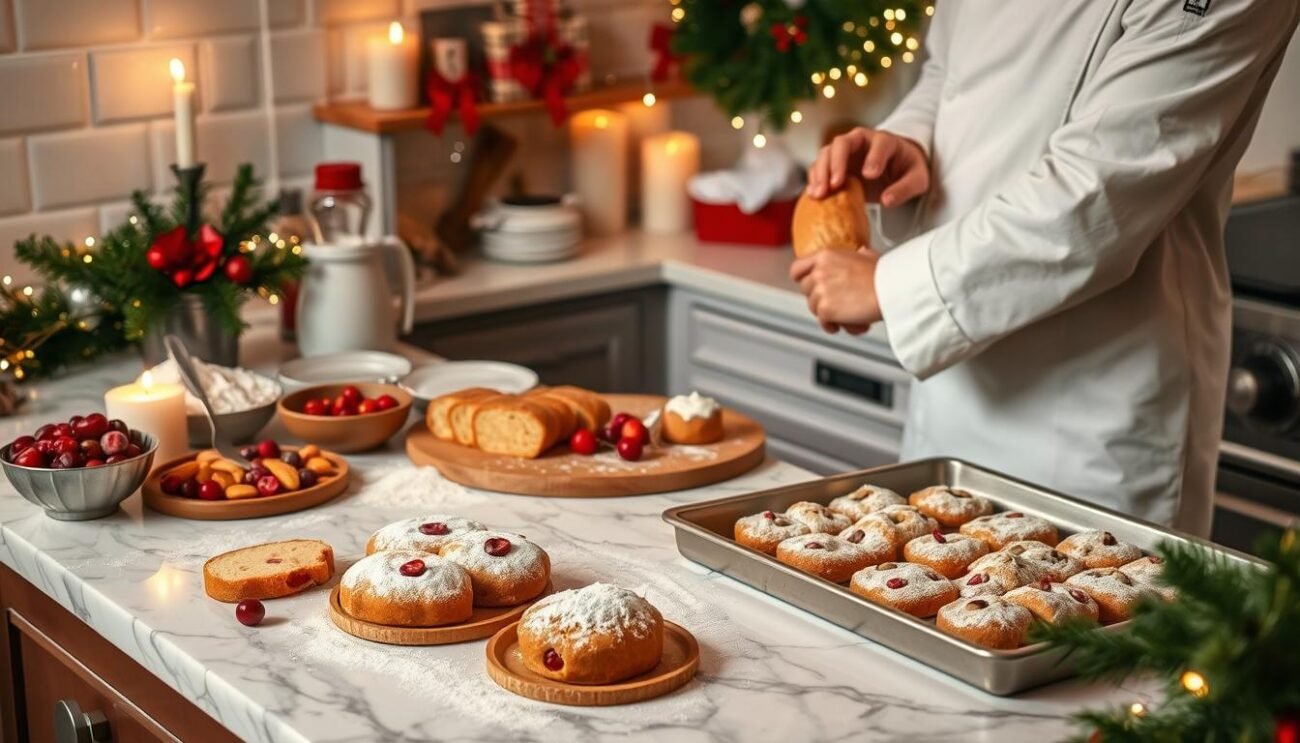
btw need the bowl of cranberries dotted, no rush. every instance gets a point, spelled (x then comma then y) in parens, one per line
(346, 417)
(80, 469)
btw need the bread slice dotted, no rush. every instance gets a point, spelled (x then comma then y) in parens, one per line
(462, 417)
(516, 427)
(439, 415)
(592, 410)
(566, 420)
(268, 571)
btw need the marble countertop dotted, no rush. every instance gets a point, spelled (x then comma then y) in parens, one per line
(768, 670)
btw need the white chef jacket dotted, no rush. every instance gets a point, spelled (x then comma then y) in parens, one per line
(1065, 299)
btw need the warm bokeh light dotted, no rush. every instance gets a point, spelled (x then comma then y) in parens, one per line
(737, 122)
(177, 68)
(796, 117)
(760, 141)
(1194, 683)
(396, 33)
(648, 99)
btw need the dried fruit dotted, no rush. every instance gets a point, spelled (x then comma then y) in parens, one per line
(286, 474)
(240, 492)
(896, 582)
(412, 569)
(497, 546)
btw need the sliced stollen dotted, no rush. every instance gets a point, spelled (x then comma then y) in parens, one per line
(591, 409)
(268, 571)
(517, 427)
(461, 416)
(439, 415)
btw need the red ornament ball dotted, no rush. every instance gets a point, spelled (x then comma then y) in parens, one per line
(239, 269)
(156, 257)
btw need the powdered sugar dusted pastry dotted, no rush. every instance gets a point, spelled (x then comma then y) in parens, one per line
(1099, 549)
(987, 621)
(866, 499)
(764, 531)
(825, 556)
(1051, 563)
(599, 634)
(1001, 529)
(898, 524)
(951, 507)
(880, 548)
(692, 419)
(996, 573)
(423, 533)
(947, 554)
(406, 588)
(1018, 548)
(817, 518)
(1115, 593)
(1147, 571)
(1054, 602)
(506, 569)
(910, 588)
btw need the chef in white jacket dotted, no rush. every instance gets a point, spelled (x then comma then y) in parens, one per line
(1065, 167)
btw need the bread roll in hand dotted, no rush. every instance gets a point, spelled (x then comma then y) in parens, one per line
(837, 222)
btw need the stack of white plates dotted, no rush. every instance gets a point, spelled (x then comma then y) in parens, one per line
(531, 230)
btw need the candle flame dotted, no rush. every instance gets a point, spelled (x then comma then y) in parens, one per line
(146, 380)
(177, 68)
(396, 33)
(672, 146)
(602, 122)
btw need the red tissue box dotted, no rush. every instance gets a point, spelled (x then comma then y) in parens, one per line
(725, 223)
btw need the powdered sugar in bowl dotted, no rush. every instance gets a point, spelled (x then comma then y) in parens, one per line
(243, 401)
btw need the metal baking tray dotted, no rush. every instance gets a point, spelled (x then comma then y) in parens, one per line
(704, 534)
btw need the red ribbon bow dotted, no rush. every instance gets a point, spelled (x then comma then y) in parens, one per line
(794, 33)
(186, 261)
(547, 69)
(661, 43)
(444, 95)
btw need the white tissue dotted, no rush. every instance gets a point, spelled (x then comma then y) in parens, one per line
(764, 174)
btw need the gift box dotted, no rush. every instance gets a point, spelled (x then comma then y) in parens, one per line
(726, 223)
(500, 36)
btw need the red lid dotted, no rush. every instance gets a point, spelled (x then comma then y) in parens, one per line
(338, 177)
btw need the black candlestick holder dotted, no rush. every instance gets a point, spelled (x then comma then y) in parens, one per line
(189, 181)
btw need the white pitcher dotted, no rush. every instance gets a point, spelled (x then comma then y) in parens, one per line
(346, 302)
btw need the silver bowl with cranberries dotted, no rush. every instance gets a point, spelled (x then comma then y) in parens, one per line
(78, 470)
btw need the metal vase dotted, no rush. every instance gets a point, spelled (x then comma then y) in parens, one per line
(202, 334)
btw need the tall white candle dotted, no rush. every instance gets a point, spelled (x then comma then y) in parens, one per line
(392, 62)
(668, 161)
(183, 111)
(156, 408)
(598, 144)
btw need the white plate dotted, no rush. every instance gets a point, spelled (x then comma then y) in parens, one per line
(349, 366)
(429, 382)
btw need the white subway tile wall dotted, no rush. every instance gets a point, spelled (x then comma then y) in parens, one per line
(14, 197)
(136, 82)
(298, 65)
(177, 18)
(56, 25)
(42, 92)
(232, 75)
(6, 27)
(88, 165)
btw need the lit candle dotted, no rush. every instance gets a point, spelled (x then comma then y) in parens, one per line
(598, 143)
(156, 408)
(183, 109)
(668, 161)
(392, 70)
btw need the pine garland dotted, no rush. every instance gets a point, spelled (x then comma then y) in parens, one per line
(1228, 650)
(765, 56)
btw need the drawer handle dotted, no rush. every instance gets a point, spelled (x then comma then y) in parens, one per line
(71, 725)
(842, 380)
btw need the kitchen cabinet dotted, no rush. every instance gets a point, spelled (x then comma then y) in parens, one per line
(61, 681)
(611, 343)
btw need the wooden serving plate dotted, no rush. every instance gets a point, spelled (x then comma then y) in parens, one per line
(680, 661)
(484, 622)
(560, 472)
(247, 508)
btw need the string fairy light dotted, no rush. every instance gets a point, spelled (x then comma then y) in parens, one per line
(1195, 684)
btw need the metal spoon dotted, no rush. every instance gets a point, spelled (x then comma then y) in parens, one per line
(190, 376)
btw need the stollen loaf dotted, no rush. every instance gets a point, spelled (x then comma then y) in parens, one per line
(837, 222)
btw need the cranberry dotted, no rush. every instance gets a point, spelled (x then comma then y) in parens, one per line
(74, 420)
(133, 450)
(91, 427)
(977, 579)
(31, 457)
(307, 478)
(248, 452)
(315, 407)
(268, 449)
(939, 537)
(814, 546)
(117, 424)
(268, 486)
(552, 660)
(977, 604)
(95, 462)
(351, 394)
(386, 402)
(190, 488)
(857, 536)
(299, 577)
(769, 515)
(610, 433)
(114, 442)
(1156, 559)
(291, 458)
(616, 423)
(45, 432)
(365, 407)
(1078, 595)
(1044, 585)
(20, 443)
(171, 484)
(342, 408)
(896, 582)
(583, 442)
(497, 546)
(629, 449)
(114, 459)
(45, 446)
(434, 529)
(211, 490)
(66, 461)
(633, 428)
(412, 569)
(91, 449)
(250, 612)
(66, 445)
(63, 430)
(1015, 515)
(1108, 539)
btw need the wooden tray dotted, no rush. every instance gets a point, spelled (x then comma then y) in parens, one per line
(560, 472)
(484, 622)
(681, 660)
(248, 508)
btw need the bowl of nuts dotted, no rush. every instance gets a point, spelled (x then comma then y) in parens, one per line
(81, 469)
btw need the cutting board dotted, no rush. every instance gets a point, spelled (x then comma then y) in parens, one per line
(561, 473)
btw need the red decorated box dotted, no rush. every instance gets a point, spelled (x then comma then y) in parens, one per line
(725, 223)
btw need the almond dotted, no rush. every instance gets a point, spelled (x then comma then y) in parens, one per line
(208, 455)
(309, 451)
(229, 467)
(224, 479)
(239, 492)
(185, 470)
(205, 472)
(320, 465)
(288, 476)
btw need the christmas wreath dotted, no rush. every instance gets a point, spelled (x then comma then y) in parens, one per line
(765, 56)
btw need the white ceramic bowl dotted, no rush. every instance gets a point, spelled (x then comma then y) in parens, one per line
(433, 380)
(349, 366)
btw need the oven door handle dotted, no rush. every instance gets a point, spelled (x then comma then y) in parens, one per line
(1270, 463)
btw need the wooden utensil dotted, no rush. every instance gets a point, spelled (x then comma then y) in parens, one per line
(247, 508)
(491, 154)
(680, 661)
(484, 622)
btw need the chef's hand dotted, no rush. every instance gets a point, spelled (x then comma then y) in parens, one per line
(894, 167)
(841, 288)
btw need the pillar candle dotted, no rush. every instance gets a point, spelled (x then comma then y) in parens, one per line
(668, 161)
(183, 112)
(598, 144)
(156, 408)
(392, 71)
(643, 122)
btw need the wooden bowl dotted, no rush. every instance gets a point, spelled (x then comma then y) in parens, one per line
(346, 434)
(245, 508)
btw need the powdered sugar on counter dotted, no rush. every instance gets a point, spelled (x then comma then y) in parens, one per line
(409, 486)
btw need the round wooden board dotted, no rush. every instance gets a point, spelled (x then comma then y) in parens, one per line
(484, 622)
(247, 508)
(560, 472)
(681, 659)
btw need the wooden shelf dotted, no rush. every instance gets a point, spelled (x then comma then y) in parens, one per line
(358, 115)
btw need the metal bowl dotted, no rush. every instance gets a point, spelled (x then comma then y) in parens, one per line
(241, 426)
(86, 492)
